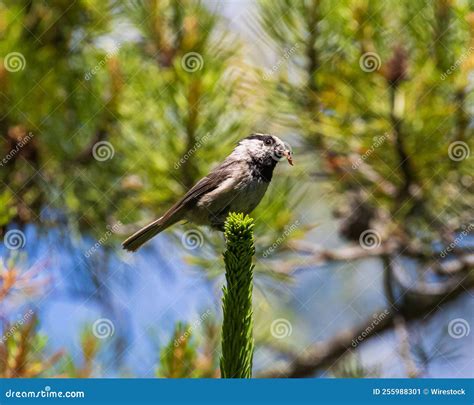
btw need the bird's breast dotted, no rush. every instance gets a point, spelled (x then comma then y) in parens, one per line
(241, 191)
(249, 194)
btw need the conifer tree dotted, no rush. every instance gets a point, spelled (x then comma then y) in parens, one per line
(237, 327)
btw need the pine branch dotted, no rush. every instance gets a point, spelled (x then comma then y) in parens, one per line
(178, 358)
(323, 355)
(237, 327)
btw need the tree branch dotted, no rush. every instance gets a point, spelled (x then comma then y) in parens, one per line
(319, 256)
(324, 354)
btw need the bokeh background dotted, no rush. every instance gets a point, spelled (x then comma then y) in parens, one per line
(111, 110)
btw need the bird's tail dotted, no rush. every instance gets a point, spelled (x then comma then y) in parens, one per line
(145, 234)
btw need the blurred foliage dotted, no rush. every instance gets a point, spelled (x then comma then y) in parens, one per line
(166, 114)
(351, 367)
(379, 91)
(22, 352)
(371, 95)
(90, 347)
(178, 358)
(182, 357)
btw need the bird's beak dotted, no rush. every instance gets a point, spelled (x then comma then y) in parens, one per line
(287, 153)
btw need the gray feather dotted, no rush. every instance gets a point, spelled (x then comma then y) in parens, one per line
(237, 184)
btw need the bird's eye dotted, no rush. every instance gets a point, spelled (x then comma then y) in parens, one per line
(268, 141)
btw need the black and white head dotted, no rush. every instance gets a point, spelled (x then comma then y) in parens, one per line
(262, 152)
(263, 149)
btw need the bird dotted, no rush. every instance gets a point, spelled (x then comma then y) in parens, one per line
(236, 185)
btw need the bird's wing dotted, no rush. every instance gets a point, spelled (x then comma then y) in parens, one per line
(207, 184)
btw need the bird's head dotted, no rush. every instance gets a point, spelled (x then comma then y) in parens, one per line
(265, 148)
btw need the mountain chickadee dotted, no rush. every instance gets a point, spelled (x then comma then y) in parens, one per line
(236, 185)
